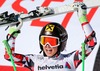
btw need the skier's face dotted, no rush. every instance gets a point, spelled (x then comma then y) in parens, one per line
(49, 51)
(50, 44)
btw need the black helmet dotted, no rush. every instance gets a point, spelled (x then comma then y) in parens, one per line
(56, 30)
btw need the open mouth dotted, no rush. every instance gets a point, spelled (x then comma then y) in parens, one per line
(48, 51)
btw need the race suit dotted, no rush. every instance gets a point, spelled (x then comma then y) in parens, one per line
(68, 62)
(63, 62)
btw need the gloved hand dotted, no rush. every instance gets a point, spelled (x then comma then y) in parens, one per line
(14, 30)
(81, 11)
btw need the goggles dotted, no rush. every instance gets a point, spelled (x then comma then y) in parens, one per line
(52, 41)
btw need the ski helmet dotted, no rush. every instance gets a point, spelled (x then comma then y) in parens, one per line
(55, 30)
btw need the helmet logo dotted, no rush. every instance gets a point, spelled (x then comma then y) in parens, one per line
(49, 28)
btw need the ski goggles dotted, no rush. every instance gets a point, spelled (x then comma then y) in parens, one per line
(52, 41)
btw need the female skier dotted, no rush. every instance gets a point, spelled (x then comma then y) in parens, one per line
(52, 39)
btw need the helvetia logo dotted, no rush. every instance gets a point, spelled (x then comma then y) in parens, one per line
(46, 67)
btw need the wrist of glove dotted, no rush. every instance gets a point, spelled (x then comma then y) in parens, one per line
(81, 11)
(13, 32)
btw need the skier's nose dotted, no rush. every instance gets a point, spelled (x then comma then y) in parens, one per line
(47, 46)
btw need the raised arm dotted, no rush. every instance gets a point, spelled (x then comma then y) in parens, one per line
(19, 59)
(90, 38)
